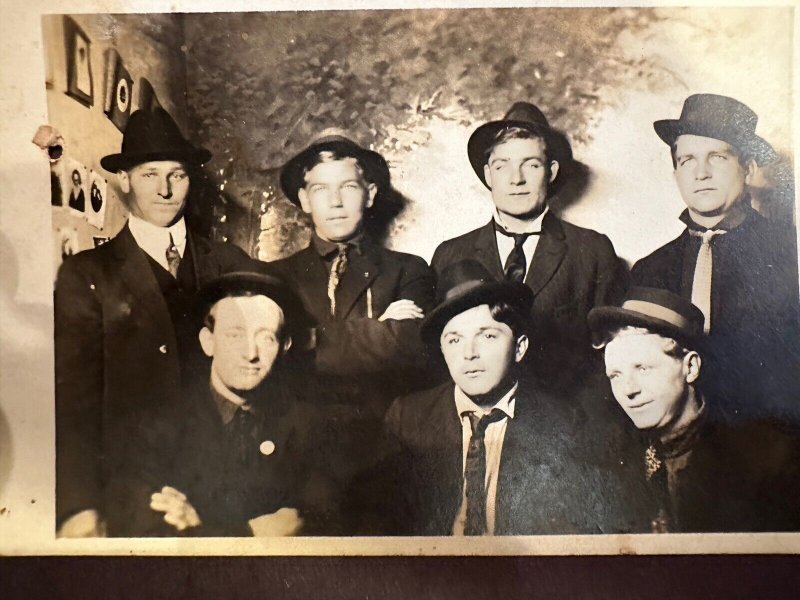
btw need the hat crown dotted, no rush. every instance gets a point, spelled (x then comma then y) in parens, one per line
(461, 277)
(721, 111)
(528, 113)
(151, 132)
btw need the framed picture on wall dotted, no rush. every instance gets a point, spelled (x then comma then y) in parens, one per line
(79, 71)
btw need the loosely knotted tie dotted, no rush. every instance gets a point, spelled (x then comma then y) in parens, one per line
(173, 257)
(475, 471)
(337, 271)
(701, 283)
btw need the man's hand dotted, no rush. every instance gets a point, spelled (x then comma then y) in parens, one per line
(282, 523)
(176, 508)
(85, 524)
(400, 310)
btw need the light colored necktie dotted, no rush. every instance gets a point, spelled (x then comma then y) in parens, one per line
(701, 283)
(337, 270)
(173, 257)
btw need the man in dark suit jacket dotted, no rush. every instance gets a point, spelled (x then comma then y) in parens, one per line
(702, 474)
(241, 454)
(363, 301)
(570, 270)
(740, 269)
(488, 453)
(121, 318)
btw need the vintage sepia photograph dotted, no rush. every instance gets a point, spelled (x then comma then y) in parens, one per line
(419, 281)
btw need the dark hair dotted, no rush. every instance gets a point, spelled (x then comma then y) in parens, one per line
(742, 156)
(325, 156)
(533, 132)
(511, 315)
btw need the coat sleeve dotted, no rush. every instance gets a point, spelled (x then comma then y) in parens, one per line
(79, 390)
(613, 277)
(364, 345)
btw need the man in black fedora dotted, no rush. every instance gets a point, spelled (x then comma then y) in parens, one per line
(703, 475)
(737, 267)
(363, 302)
(489, 453)
(121, 316)
(522, 160)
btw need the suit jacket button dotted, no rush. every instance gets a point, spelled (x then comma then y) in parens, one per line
(162, 348)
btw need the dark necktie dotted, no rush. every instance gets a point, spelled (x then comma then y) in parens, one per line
(475, 472)
(516, 266)
(337, 270)
(173, 257)
(244, 429)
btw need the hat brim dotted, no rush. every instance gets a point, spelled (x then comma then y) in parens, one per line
(123, 162)
(483, 137)
(516, 294)
(293, 172)
(605, 319)
(670, 129)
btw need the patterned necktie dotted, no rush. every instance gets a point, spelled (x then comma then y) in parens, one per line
(701, 283)
(475, 471)
(337, 270)
(173, 257)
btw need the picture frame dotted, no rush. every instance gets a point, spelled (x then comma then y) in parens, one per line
(80, 83)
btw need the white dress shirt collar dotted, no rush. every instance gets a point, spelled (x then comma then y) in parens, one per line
(534, 226)
(155, 240)
(465, 404)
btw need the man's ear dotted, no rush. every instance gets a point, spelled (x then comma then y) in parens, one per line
(206, 338)
(692, 364)
(302, 195)
(372, 190)
(749, 171)
(487, 175)
(522, 347)
(554, 166)
(124, 181)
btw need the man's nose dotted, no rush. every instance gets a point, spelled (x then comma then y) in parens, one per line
(630, 386)
(517, 176)
(165, 188)
(336, 198)
(470, 350)
(702, 171)
(251, 349)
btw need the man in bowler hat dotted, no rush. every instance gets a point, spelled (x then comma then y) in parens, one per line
(703, 475)
(738, 268)
(121, 317)
(363, 302)
(488, 453)
(569, 269)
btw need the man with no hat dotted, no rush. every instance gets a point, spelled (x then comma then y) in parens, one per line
(239, 455)
(702, 475)
(737, 267)
(569, 269)
(488, 453)
(121, 316)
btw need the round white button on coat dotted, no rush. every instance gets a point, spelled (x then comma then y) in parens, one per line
(162, 348)
(267, 447)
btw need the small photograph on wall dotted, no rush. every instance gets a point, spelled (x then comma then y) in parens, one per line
(56, 191)
(96, 210)
(79, 70)
(118, 90)
(74, 185)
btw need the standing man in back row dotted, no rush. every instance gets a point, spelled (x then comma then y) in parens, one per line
(121, 312)
(737, 267)
(570, 270)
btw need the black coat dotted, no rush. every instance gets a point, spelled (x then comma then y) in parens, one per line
(550, 482)
(116, 351)
(573, 270)
(753, 351)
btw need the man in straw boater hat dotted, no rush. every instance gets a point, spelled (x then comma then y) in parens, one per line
(733, 264)
(364, 302)
(704, 475)
(523, 162)
(120, 314)
(242, 453)
(488, 453)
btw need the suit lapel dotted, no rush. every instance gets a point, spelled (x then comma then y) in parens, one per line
(361, 273)
(138, 276)
(549, 254)
(486, 251)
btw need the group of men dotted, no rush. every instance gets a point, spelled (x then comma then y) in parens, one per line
(352, 389)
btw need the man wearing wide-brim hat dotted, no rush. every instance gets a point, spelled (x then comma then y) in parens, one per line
(733, 264)
(522, 160)
(364, 302)
(122, 317)
(701, 474)
(489, 452)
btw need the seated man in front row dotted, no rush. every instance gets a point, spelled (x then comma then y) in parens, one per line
(236, 458)
(703, 476)
(487, 453)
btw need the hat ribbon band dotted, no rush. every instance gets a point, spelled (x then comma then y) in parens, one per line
(657, 311)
